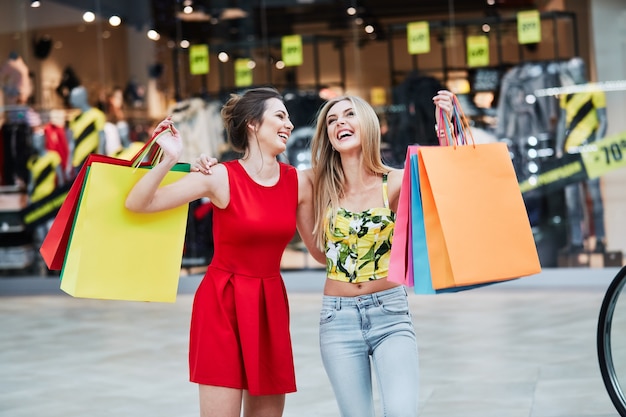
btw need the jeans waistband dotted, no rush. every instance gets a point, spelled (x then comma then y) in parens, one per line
(374, 299)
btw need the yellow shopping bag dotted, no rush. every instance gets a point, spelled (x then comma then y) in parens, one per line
(117, 254)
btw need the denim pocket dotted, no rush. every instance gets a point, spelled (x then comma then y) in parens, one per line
(395, 305)
(327, 315)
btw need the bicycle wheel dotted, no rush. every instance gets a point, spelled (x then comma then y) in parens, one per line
(611, 342)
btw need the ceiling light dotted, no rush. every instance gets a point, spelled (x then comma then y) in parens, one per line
(184, 44)
(154, 35)
(223, 57)
(115, 20)
(351, 11)
(35, 3)
(89, 17)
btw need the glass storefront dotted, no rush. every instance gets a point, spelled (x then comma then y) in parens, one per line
(548, 82)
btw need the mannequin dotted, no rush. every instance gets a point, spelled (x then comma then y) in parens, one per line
(46, 175)
(46, 171)
(86, 129)
(55, 132)
(15, 80)
(582, 120)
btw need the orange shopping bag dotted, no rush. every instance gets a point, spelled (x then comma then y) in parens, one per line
(477, 227)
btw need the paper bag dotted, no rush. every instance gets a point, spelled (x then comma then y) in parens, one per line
(476, 224)
(117, 254)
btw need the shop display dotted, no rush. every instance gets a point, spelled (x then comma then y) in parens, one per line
(15, 80)
(582, 121)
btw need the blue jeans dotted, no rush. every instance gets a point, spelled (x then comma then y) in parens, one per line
(575, 212)
(376, 326)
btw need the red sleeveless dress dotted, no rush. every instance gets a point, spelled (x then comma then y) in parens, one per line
(240, 335)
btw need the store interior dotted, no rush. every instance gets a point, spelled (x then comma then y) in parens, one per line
(75, 83)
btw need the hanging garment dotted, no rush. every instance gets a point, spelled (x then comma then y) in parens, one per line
(43, 174)
(414, 120)
(56, 140)
(581, 119)
(16, 151)
(520, 114)
(113, 140)
(200, 125)
(86, 128)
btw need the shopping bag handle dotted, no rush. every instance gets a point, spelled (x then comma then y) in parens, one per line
(454, 130)
(462, 122)
(151, 149)
(444, 131)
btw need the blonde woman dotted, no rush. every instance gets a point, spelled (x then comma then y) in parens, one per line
(365, 322)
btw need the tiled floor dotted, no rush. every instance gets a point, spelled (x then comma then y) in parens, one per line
(526, 348)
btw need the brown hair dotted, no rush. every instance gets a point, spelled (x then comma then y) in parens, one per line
(241, 109)
(328, 175)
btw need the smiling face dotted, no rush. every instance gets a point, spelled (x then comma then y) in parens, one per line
(274, 129)
(343, 127)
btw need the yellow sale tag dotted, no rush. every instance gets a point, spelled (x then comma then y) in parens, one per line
(292, 50)
(243, 73)
(605, 155)
(418, 37)
(529, 27)
(477, 51)
(378, 96)
(199, 59)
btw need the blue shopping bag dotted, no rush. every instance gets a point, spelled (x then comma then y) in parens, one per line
(422, 283)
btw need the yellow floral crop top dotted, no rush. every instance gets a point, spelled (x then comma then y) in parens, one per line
(358, 245)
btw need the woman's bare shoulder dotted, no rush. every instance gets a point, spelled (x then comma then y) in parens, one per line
(213, 185)
(395, 175)
(305, 174)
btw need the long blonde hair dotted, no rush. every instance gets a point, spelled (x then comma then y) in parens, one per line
(328, 174)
